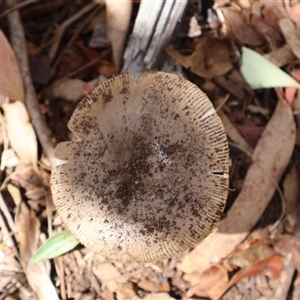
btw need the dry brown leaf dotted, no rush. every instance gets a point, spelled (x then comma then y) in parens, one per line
(270, 267)
(230, 86)
(291, 35)
(247, 257)
(252, 133)
(233, 133)
(290, 244)
(109, 275)
(26, 177)
(126, 291)
(11, 85)
(148, 285)
(291, 195)
(28, 228)
(210, 58)
(15, 194)
(271, 33)
(89, 53)
(106, 68)
(273, 11)
(293, 11)
(20, 132)
(243, 32)
(271, 156)
(118, 21)
(281, 56)
(213, 281)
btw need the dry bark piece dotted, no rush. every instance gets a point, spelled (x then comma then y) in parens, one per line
(149, 168)
(154, 27)
(210, 58)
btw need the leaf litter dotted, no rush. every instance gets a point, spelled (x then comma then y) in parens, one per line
(260, 124)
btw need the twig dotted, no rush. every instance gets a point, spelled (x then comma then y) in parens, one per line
(62, 16)
(16, 7)
(75, 35)
(86, 66)
(60, 32)
(19, 46)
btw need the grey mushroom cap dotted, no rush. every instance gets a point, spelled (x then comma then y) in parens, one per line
(149, 167)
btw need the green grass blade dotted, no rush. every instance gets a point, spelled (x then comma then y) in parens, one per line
(261, 73)
(57, 245)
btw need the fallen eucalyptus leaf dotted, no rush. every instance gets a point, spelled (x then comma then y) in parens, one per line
(11, 85)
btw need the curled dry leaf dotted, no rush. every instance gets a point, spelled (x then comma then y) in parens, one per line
(270, 266)
(270, 158)
(28, 228)
(210, 58)
(10, 80)
(118, 21)
(20, 132)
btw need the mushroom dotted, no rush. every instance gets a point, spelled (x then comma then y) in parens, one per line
(149, 168)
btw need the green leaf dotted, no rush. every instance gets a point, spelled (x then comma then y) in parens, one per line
(261, 73)
(57, 245)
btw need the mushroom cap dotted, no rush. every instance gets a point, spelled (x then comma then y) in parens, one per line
(149, 167)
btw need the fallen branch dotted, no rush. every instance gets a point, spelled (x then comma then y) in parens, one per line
(32, 104)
